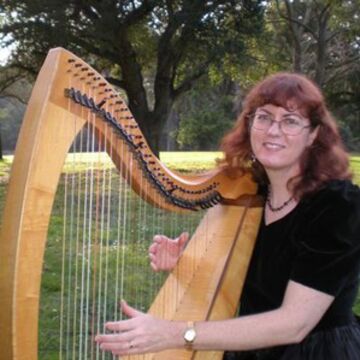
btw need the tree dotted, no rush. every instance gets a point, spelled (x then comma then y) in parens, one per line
(14, 91)
(175, 41)
(206, 114)
(321, 37)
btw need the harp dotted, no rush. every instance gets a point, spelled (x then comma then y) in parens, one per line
(209, 276)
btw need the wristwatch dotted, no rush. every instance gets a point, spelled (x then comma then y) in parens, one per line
(190, 335)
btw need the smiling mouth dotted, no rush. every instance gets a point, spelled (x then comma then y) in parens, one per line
(273, 146)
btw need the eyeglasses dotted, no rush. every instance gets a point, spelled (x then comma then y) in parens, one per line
(289, 125)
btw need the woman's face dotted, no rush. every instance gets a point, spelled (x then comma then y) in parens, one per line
(279, 147)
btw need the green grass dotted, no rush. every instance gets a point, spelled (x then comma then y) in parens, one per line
(190, 161)
(176, 160)
(5, 166)
(138, 234)
(90, 267)
(355, 167)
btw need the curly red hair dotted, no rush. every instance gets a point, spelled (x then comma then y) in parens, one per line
(325, 160)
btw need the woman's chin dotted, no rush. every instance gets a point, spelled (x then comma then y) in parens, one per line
(280, 166)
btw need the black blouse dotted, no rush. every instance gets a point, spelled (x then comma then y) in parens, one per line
(317, 244)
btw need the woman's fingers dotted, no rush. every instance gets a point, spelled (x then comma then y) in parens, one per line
(153, 248)
(158, 239)
(124, 325)
(118, 326)
(126, 336)
(129, 310)
(118, 344)
(140, 334)
(183, 239)
(153, 261)
(154, 267)
(113, 338)
(164, 252)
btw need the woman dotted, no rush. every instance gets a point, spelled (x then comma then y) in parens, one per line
(303, 276)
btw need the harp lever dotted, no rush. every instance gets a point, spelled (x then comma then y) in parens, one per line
(101, 103)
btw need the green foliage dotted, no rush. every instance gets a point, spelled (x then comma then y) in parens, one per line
(157, 51)
(10, 120)
(171, 43)
(204, 130)
(207, 117)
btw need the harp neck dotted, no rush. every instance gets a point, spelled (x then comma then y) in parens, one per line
(89, 93)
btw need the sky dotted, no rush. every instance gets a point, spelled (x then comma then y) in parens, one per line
(4, 54)
(5, 51)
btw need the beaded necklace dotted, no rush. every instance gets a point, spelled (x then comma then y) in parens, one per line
(275, 209)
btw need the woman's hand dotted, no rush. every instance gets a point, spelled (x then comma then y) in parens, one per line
(141, 333)
(164, 252)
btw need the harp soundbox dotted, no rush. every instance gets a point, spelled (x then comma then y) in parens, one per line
(69, 96)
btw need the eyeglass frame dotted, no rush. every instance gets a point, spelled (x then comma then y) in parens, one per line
(272, 121)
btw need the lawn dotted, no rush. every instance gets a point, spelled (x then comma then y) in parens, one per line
(116, 242)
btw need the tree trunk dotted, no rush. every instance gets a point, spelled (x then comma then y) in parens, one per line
(321, 54)
(152, 132)
(167, 139)
(296, 32)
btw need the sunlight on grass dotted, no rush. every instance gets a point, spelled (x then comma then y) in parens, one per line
(179, 161)
(190, 161)
(176, 160)
(5, 165)
(355, 166)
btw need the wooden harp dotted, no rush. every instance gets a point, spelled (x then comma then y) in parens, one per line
(209, 289)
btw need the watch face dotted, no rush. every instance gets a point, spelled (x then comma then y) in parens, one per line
(190, 335)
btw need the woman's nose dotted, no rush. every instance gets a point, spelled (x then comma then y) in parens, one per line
(275, 128)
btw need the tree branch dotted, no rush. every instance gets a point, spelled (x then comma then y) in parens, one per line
(189, 82)
(306, 27)
(139, 13)
(23, 67)
(116, 82)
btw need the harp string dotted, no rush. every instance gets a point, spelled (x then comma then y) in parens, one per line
(98, 272)
(105, 224)
(121, 241)
(80, 190)
(142, 241)
(73, 249)
(97, 246)
(104, 252)
(63, 263)
(137, 240)
(64, 236)
(124, 243)
(112, 242)
(86, 242)
(146, 240)
(117, 243)
(73, 277)
(74, 236)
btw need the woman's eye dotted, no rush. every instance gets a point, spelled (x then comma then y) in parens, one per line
(263, 117)
(292, 121)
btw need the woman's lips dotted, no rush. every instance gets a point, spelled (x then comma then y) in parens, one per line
(273, 146)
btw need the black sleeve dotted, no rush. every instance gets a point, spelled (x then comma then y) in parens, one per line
(328, 251)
